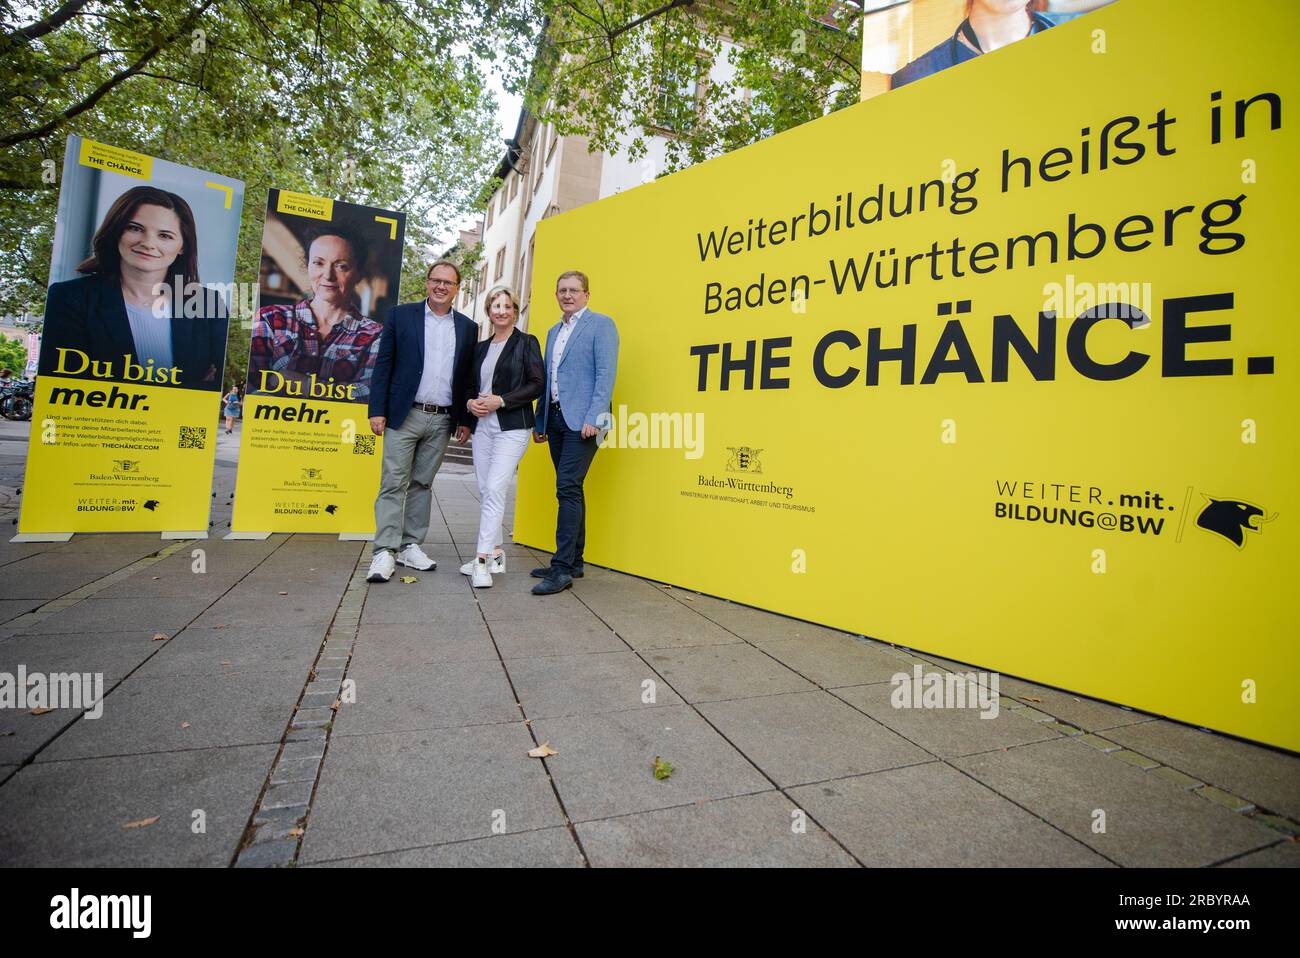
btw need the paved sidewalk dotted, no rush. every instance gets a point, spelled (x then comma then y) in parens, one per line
(219, 743)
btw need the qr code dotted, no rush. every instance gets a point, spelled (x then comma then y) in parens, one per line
(363, 446)
(193, 437)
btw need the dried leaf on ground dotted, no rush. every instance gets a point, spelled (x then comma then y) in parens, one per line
(1032, 698)
(162, 636)
(39, 710)
(542, 751)
(284, 593)
(142, 823)
(185, 725)
(662, 769)
(408, 579)
(296, 832)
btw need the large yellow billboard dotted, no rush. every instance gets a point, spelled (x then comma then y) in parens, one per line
(999, 365)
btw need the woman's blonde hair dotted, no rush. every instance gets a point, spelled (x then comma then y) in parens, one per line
(493, 293)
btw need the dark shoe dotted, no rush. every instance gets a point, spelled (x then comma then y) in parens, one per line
(556, 582)
(542, 572)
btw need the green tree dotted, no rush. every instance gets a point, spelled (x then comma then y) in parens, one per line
(373, 101)
(614, 69)
(13, 355)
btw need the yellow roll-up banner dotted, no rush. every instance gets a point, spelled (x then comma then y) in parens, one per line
(308, 459)
(133, 346)
(999, 365)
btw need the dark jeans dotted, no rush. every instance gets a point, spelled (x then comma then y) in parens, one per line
(572, 457)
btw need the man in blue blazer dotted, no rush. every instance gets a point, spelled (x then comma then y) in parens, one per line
(422, 370)
(581, 361)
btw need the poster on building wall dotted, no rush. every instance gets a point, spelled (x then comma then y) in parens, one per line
(133, 345)
(308, 460)
(1017, 388)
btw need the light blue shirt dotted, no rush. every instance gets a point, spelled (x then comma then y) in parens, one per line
(152, 335)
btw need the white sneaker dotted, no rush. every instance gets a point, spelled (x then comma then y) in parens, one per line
(481, 578)
(496, 565)
(413, 556)
(381, 567)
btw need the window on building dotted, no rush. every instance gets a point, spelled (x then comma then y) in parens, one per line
(500, 265)
(678, 96)
(514, 186)
(488, 220)
(550, 149)
(505, 197)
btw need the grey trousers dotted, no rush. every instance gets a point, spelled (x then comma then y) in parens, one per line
(412, 454)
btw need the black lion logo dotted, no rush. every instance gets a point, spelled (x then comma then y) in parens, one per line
(1231, 518)
(151, 504)
(331, 509)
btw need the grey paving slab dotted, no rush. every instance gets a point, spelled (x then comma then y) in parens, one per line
(1267, 777)
(557, 685)
(393, 606)
(97, 614)
(243, 608)
(47, 576)
(1149, 822)
(934, 816)
(807, 737)
(72, 814)
(111, 654)
(23, 734)
(382, 793)
(138, 544)
(424, 696)
(753, 625)
(752, 831)
(666, 626)
(220, 651)
(1285, 854)
(947, 732)
(543, 848)
(11, 552)
(152, 583)
(501, 604)
(6, 771)
(549, 634)
(710, 673)
(605, 764)
(12, 608)
(403, 644)
(184, 712)
(1078, 710)
(833, 659)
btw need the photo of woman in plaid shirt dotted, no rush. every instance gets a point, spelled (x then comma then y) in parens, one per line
(325, 336)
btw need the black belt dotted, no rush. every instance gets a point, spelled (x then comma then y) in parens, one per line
(430, 407)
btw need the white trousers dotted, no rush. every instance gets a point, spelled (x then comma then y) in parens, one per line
(496, 455)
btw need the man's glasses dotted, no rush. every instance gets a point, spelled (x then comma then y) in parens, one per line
(443, 282)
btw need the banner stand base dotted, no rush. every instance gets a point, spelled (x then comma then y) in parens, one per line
(174, 534)
(356, 536)
(257, 536)
(42, 537)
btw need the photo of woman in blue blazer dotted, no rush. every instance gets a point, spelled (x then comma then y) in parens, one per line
(144, 262)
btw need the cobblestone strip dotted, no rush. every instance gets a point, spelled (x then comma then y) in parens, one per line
(91, 588)
(274, 834)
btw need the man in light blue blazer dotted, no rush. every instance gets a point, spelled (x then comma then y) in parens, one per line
(581, 361)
